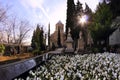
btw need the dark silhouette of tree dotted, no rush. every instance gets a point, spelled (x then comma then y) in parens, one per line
(37, 39)
(33, 44)
(79, 8)
(85, 30)
(88, 12)
(49, 35)
(70, 15)
(41, 38)
(53, 46)
(78, 13)
(59, 38)
(115, 7)
(77, 26)
(37, 42)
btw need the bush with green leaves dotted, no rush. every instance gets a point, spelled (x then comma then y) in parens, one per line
(2, 48)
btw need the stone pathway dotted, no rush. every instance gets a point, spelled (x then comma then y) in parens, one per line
(57, 51)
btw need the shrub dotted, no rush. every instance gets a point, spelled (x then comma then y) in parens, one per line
(36, 52)
(95, 50)
(2, 48)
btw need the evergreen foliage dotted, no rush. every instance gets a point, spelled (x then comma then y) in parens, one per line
(70, 15)
(100, 29)
(77, 27)
(59, 38)
(49, 35)
(33, 45)
(37, 42)
(74, 13)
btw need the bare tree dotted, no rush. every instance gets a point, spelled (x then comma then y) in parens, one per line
(3, 14)
(8, 31)
(23, 30)
(13, 30)
(1, 36)
(9, 28)
(13, 25)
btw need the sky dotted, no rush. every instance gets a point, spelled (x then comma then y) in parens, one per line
(43, 11)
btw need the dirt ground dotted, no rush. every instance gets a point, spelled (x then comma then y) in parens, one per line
(20, 56)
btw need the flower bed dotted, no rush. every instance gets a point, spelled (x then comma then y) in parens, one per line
(101, 66)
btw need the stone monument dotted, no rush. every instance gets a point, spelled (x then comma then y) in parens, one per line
(69, 43)
(80, 42)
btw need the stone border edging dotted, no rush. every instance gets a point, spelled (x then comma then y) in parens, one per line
(12, 70)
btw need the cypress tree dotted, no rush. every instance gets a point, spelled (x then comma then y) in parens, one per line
(77, 26)
(49, 35)
(79, 8)
(70, 15)
(41, 38)
(37, 39)
(59, 38)
(33, 41)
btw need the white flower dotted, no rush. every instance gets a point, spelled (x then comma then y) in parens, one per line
(104, 78)
(62, 77)
(30, 72)
(38, 78)
(119, 77)
(82, 78)
(115, 75)
(51, 78)
(28, 78)
(83, 64)
(79, 74)
(96, 77)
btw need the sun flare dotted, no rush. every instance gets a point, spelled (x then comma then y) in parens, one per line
(83, 19)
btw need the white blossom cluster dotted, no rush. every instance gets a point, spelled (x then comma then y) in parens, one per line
(101, 66)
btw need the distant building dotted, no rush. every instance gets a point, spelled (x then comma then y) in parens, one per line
(54, 36)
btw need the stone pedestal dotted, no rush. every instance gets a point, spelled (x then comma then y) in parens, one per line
(69, 44)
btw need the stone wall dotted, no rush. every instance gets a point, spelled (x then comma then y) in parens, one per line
(114, 39)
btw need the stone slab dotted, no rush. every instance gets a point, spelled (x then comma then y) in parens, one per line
(8, 72)
(12, 70)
